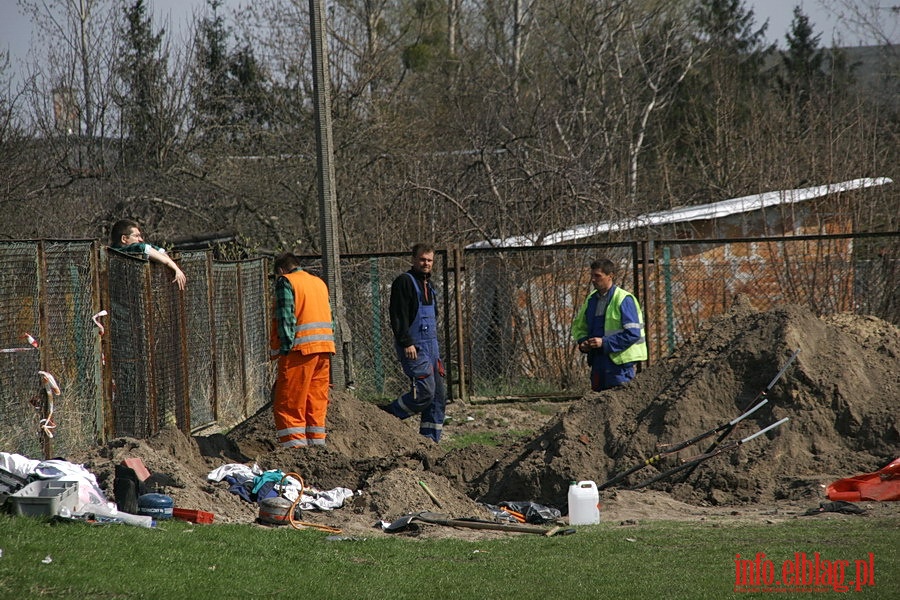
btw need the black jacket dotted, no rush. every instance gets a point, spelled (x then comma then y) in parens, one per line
(405, 304)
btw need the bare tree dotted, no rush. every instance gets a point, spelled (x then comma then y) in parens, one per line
(148, 127)
(15, 144)
(710, 121)
(871, 19)
(70, 80)
(453, 120)
(664, 56)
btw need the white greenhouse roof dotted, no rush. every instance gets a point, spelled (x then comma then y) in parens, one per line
(716, 210)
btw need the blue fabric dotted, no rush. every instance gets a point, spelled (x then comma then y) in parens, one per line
(274, 475)
(238, 488)
(427, 396)
(266, 490)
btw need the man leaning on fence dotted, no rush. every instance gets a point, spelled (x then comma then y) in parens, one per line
(302, 339)
(413, 312)
(609, 329)
(126, 236)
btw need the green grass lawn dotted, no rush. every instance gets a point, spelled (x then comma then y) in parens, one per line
(485, 438)
(649, 560)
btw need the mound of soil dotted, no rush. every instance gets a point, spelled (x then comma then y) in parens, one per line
(839, 392)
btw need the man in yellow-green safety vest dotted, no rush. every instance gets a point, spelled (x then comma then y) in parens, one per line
(609, 329)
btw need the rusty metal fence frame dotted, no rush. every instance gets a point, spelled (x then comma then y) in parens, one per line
(517, 306)
(149, 362)
(49, 291)
(690, 281)
(371, 366)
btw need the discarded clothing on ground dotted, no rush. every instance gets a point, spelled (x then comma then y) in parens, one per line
(847, 508)
(253, 485)
(57, 469)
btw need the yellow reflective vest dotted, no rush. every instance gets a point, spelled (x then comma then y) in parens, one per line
(613, 324)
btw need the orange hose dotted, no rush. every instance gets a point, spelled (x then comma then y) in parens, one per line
(301, 524)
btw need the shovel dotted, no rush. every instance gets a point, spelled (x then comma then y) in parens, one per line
(442, 519)
(399, 524)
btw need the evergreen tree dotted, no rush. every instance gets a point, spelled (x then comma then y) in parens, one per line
(806, 68)
(803, 61)
(711, 116)
(142, 71)
(726, 29)
(735, 49)
(428, 48)
(210, 88)
(248, 84)
(230, 86)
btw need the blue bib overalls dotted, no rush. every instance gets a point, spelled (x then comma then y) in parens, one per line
(426, 396)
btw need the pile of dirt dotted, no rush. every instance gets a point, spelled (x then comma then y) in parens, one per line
(840, 393)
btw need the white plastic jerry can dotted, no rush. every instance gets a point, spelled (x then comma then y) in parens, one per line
(584, 503)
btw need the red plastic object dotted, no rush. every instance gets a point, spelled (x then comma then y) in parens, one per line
(194, 516)
(882, 485)
(137, 465)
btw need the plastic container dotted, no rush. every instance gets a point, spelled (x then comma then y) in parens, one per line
(44, 498)
(584, 503)
(193, 516)
(110, 512)
(157, 506)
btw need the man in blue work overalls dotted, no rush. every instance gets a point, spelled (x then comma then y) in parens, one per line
(413, 313)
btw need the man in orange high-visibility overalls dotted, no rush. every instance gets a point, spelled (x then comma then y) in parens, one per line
(302, 339)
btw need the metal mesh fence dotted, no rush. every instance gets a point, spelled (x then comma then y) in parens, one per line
(255, 340)
(19, 361)
(168, 356)
(71, 348)
(191, 358)
(230, 381)
(366, 282)
(876, 282)
(199, 338)
(200, 357)
(48, 290)
(518, 305)
(693, 281)
(133, 401)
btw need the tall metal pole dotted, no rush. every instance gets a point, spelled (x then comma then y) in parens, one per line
(327, 196)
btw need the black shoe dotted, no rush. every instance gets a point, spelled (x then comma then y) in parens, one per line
(386, 408)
